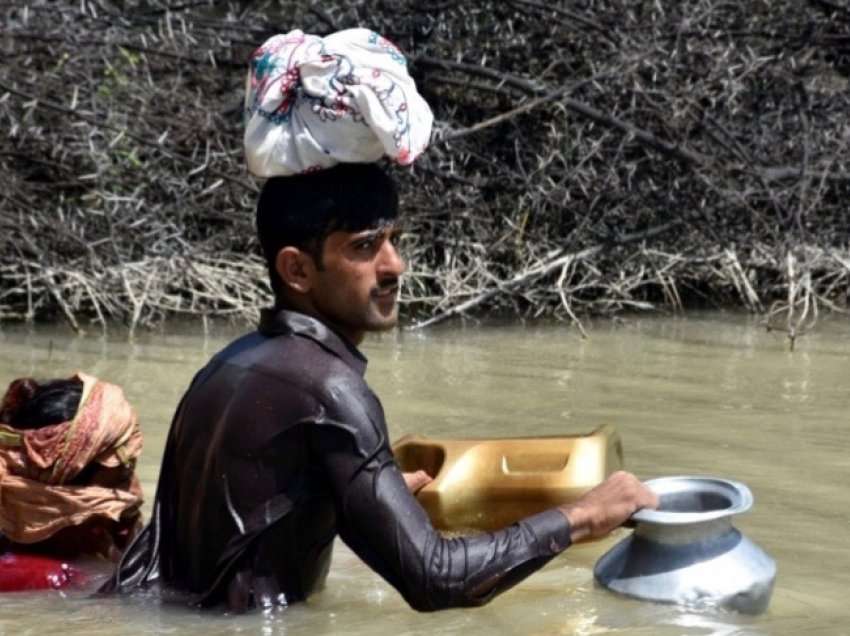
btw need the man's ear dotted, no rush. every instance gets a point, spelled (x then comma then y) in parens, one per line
(296, 269)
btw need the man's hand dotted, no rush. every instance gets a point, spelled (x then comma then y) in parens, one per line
(417, 481)
(607, 506)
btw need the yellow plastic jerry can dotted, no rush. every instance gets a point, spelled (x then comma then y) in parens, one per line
(487, 484)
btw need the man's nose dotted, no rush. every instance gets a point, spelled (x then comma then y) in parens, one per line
(391, 263)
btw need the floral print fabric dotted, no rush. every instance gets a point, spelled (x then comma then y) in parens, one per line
(313, 102)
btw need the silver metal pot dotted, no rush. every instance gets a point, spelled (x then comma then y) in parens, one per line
(687, 551)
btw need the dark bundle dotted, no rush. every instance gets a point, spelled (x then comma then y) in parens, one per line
(589, 156)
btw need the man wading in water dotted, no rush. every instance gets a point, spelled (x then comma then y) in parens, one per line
(279, 444)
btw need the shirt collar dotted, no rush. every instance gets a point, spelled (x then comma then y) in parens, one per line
(278, 322)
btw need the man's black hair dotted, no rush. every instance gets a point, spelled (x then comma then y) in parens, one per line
(302, 210)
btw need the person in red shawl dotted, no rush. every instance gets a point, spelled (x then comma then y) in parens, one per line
(68, 450)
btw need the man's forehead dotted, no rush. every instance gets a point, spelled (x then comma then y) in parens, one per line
(381, 227)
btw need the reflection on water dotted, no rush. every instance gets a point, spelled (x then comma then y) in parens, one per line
(711, 394)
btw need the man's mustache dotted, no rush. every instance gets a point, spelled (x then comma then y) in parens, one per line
(388, 284)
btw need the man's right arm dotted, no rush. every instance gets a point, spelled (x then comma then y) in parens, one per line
(383, 523)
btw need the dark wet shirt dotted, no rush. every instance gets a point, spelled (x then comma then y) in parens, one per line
(278, 446)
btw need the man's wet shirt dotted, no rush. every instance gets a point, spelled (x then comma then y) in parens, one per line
(278, 446)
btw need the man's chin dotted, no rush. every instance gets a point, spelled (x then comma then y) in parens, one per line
(383, 321)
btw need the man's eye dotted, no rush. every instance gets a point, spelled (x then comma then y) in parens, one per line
(364, 245)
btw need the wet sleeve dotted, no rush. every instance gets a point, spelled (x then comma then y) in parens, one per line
(384, 524)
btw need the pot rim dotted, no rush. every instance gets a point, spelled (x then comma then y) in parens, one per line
(738, 494)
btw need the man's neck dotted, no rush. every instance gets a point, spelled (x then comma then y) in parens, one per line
(353, 337)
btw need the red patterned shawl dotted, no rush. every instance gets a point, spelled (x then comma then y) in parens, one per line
(38, 494)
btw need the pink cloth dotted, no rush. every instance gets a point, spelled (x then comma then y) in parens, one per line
(38, 494)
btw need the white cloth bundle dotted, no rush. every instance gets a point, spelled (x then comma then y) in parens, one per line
(313, 102)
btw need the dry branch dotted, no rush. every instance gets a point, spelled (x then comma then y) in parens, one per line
(588, 158)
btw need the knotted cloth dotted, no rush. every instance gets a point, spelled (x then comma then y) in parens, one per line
(38, 492)
(313, 102)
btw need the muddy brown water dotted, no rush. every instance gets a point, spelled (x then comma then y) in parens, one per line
(710, 394)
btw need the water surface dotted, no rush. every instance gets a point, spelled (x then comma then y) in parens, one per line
(710, 394)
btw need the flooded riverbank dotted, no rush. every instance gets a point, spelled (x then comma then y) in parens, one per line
(711, 394)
